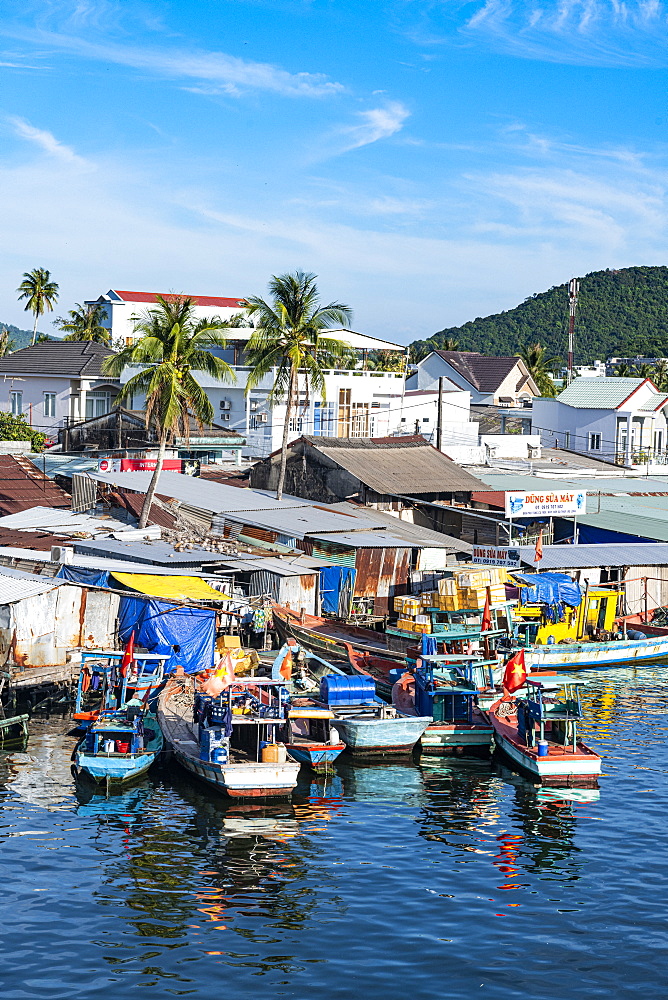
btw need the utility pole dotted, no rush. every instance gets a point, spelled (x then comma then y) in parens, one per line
(573, 290)
(439, 415)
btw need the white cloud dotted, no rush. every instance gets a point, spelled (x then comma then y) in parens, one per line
(375, 124)
(229, 74)
(45, 140)
(597, 32)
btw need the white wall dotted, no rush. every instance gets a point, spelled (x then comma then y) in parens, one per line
(511, 445)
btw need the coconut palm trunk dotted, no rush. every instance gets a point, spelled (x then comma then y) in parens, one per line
(289, 409)
(153, 485)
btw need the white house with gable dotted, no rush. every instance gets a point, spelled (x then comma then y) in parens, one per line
(619, 420)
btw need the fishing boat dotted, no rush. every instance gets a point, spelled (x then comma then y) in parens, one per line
(366, 664)
(564, 626)
(310, 737)
(367, 725)
(102, 687)
(119, 745)
(329, 636)
(444, 687)
(537, 734)
(241, 768)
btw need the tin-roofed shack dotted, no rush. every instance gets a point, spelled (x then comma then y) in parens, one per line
(374, 471)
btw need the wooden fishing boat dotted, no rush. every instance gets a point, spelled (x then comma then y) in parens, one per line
(367, 664)
(100, 686)
(552, 754)
(581, 655)
(310, 737)
(444, 687)
(368, 727)
(119, 745)
(239, 771)
(328, 636)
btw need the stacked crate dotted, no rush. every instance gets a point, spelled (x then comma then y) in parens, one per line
(411, 617)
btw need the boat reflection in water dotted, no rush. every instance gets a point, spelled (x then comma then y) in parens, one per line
(396, 782)
(125, 804)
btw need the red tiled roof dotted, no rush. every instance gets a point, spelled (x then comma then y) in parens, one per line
(198, 300)
(23, 486)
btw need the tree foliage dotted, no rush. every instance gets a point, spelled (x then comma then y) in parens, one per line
(85, 322)
(172, 345)
(17, 428)
(40, 294)
(541, 367)
(620, 313)
(288, 341)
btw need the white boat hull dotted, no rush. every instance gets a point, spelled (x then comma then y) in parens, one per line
(450, 736)
(244, 780)
(578, 655)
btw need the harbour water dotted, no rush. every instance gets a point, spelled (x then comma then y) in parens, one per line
(443, 878)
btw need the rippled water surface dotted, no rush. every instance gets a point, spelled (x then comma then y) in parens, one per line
(446, 878)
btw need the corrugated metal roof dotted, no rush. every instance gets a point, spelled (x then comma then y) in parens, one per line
(637, 526)
(591, 556)
(599, 393)
(63, 465)
(202, 493)
(415, 534)
(396, 466)
(60, 521)
(364, 539)
(158, 552)
(280, 567)
(300, 521)
(14, 589)
(92, 562)
(593, 484)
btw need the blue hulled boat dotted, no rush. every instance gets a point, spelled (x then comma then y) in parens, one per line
(119, 745)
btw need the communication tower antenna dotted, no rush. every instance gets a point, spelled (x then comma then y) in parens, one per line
(573, 290)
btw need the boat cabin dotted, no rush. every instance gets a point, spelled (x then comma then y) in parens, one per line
(553, 705)
(116, 733)
(563, 613)
(446, 686)
(102, 687)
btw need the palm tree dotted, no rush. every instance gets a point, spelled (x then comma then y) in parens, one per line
(660, 376)
(6, 344)
(449, 344)
(85, 323)
(288, 339)
(173, 345)
(40, 292)
(540, 367)
(623, 370)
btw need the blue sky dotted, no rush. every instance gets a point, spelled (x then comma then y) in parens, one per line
(430, 160)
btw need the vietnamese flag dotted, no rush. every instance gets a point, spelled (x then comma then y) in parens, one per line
(128, 655)
(486, 614)
(515, 673)
(538, 554)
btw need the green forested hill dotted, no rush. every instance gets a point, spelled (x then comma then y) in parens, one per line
(621, 312)
(20, 338)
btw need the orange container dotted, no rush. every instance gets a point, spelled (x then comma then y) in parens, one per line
(122, 746)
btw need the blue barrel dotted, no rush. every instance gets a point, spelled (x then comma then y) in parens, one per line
(338, 689)
(543, 748)
(219, 755)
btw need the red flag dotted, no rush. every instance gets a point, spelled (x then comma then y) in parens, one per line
(515, 673)
(128, 655)
(486, 614)
(538, 554)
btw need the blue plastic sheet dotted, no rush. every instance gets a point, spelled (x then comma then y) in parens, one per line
(76, 574)
(550, 588)
(159, 626)
(337, 585)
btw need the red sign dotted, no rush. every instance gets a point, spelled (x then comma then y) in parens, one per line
(138, 464)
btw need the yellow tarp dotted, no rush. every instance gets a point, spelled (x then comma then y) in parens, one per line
(173, 588)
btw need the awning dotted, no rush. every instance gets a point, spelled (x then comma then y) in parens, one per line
(174, 588)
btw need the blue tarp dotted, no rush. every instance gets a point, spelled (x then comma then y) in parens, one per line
(550, 588)
(76, 574)
(337, 585)
(159, 626)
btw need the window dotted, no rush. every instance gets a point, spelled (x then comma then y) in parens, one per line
(16, 400)
(594, 442)
(49, 404)
(567, 439)
(97, 404)
(425, 420)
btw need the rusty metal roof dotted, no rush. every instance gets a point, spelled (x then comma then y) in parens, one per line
(394, 465)
(23, 486)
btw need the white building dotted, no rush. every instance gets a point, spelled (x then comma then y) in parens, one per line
(123, 307)
(491, 381)
(419, 415)
(56, 381)
(620, 420)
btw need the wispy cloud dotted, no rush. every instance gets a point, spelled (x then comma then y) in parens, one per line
(596, 32)
(374, 124)
(46, 141)
(222, 73)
